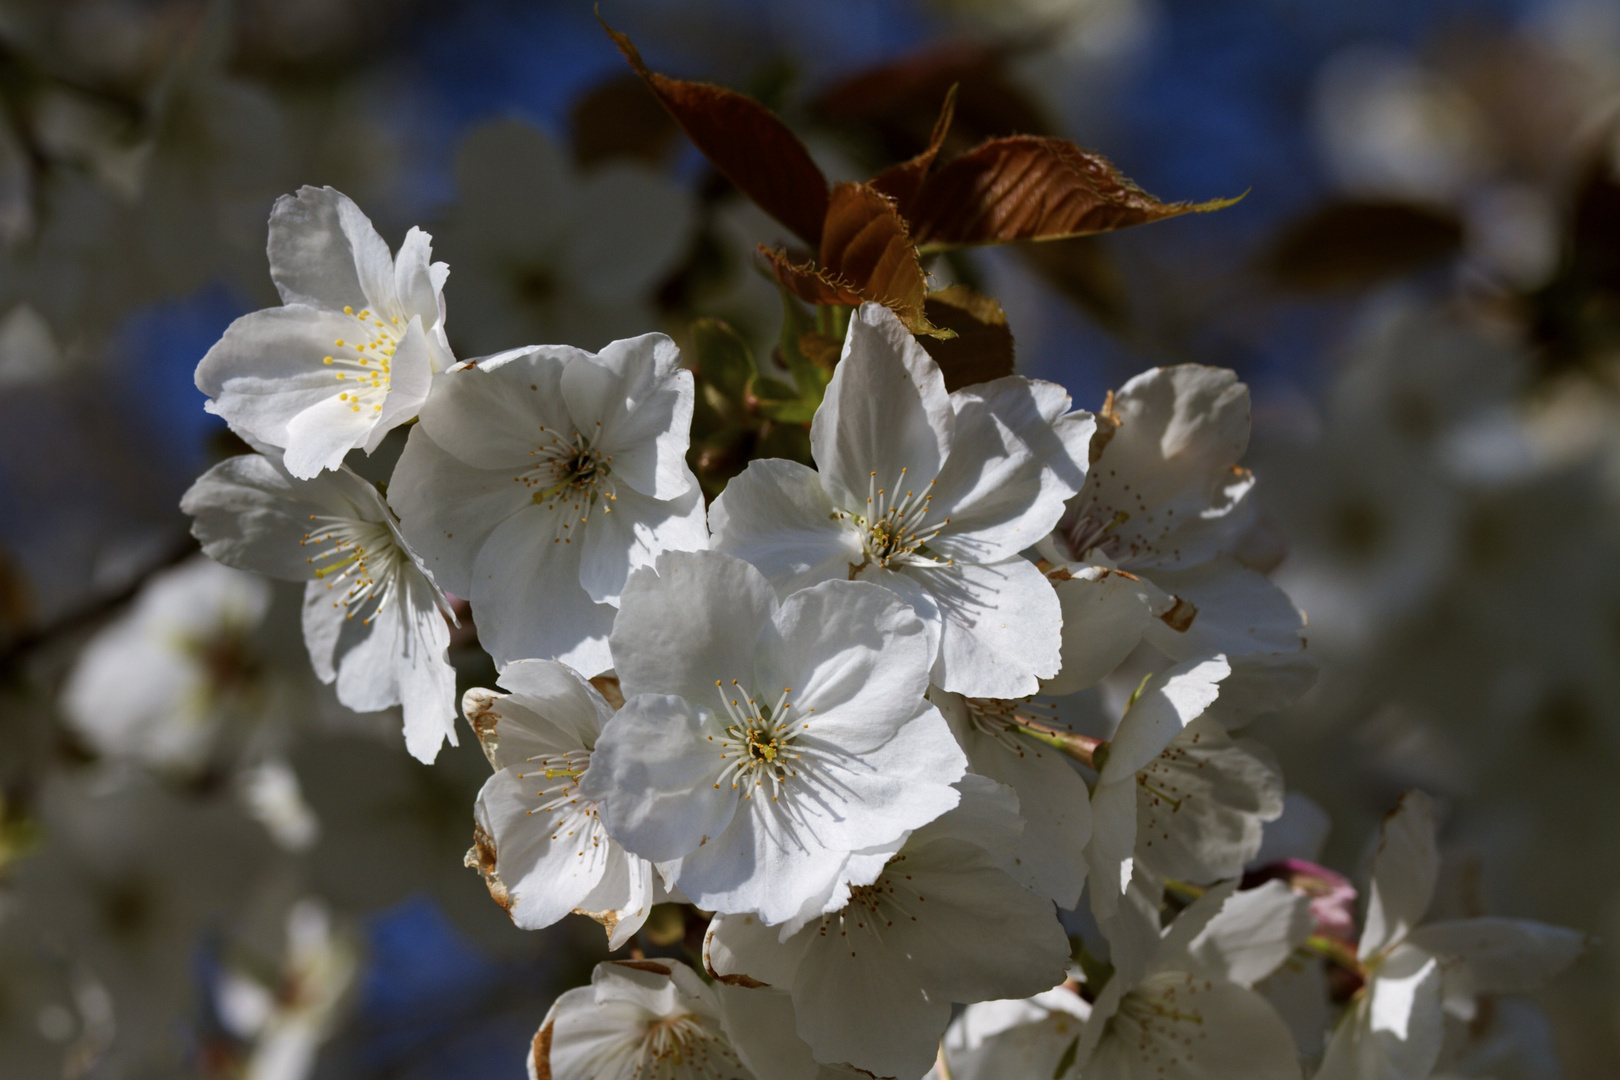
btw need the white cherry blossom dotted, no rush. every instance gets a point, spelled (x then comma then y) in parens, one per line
(537, 480)
(1416, 973)
(1168, 703)
(1002, 1040)
(541, 845)
(762, 742)
(374, 621)
(350, 354)
(164, 682)
(1144, 551)
(1191, 1013)
(1049, 856)
(931, 495)
(873, 980)
(638, 1020)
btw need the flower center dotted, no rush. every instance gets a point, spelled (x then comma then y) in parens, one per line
(571, 473)
(363, 363)
(1091, 531)
(1162, 1020)
(362, 556)
(760, 741)
(874, 908)
(682, 1046)
(559, 793)
(894, 528)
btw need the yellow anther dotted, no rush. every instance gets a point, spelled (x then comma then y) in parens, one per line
(343, 397)
(327, 360)
(339, 343)
(347, 310)
(340, 374)
(364, 313)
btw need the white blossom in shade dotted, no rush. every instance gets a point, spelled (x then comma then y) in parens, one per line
(763, 1030)
(540, 844)
(374, 620)
(350, 354)
(872, 981)
(161, 683)
(545, 252)
(1014, 1040)
(285, 1020)
(931, 495)
(638, 1020)
(537, 480)
(1190, 1014)
(762, 742)
(1166, 705)
(1144, 551)
(1052, 799)
(1417, 973)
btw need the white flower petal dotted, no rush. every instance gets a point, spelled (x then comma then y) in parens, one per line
(448, 534)
(497, 414)
(885, 410)
(1000, 627)
(1171, 700)
(1501, 956)
(630, 531)
(1014, 460)
(267, 369)
(526, 598)
(655, 772)
(324, 252)
(1404, 871)
(1254, 933)
(699, 617)
(1104, 616)
(776, 515)
(641, 398)
(1393, 1030)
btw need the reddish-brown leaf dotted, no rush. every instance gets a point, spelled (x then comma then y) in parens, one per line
(894, 105)
(1028, 187)
(902, 182)
(1356, 245)
(809, 282)
(620, 119)
(983, 346)
(746, 142)
(866, 254)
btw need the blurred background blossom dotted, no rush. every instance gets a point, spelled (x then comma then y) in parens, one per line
(214, 870)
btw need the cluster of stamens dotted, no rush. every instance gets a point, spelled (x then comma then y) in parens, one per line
(876, 907)
(894, 528)
(1004, 720)
(369, 369)
(684, 1046)
(571, 473)
(560, 792)
(360, 556)
(1163, 1020)
(759, 744)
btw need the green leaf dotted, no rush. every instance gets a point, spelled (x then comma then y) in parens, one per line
(724, 360)
(776, 400)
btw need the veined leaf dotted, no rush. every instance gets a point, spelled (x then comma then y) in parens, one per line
(746, 142)
(1029, 187)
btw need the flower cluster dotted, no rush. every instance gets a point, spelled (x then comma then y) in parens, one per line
(950, 718)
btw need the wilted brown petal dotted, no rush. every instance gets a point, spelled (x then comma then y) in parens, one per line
(746, 142)
(1028, 187)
